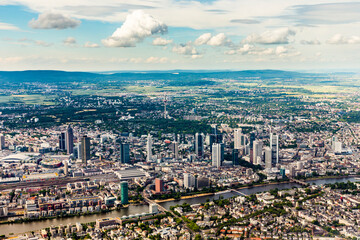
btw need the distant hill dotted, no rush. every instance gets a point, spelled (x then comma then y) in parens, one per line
(175, 78)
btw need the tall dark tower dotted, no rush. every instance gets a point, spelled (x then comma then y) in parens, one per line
(124, 153)
(69, 140)
(62, 145)
(199, 145)
(85, 149)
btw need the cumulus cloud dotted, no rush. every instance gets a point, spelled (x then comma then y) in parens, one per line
(49, 20)
(137, 26)
(310, 42)
(203, 39)
(278, 36)
(161, 41)
(216, 40)
(279, 51)
(69, 41)
(185, 49)
(91, 45)
(340, 39)
(7, 26)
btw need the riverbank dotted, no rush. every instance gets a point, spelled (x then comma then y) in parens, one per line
(330, 177)
(184, 197)
(252, 186)
(29, 220)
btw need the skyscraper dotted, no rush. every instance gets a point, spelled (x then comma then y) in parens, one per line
(189, 180)
(124, 192)
(77, 151)
(274, 145)
(62, 145)
(217, 154)
(176, 150)
(199, 145)
(257, 151)
(124, 153)
(2, 142)
(237, 138)
(268, 155)
(149, 148)
(235, 157)
(159, 185)
(85, 149)
(69, 140)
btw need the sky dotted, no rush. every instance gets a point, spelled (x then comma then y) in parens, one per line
(117, 35)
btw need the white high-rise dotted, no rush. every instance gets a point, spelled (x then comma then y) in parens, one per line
(274, 145)
(237, 138)
(189, 180)
(268, 157)
(217, 154)
(149, 148)
(257, 151)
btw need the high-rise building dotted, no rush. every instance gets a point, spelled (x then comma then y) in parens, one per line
(268, 158)
(85, 149)
(202, 182)
(2, 142)
(257, 151)
(176, 150)
(252, 139)
(334, 139)
(282, 172)
(62, 145)
(217, 154)
(189, 180)
(199, 145)
(149, 148)
(159, 185)
(274, 145)
(66, 168)
(237, 138)
(243, 140)
(77, 151)
(124, 192)
(124, 153)
(235, 157)
(69, 140)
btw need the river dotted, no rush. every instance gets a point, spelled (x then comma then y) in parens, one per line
(18, 228)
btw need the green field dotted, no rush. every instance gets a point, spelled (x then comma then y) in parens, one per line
(28, 99)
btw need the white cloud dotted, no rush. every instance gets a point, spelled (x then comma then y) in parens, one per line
(91, 45)
(217, 40)
(340, 39)
(49, 20)
(203, 39)
(161, 41)
(279, 51)
(310, 42)
(137, 26)
(186, 49)
(7, 26)
(278, 36)
(69, 41)
(42, 43)
(157, 60)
